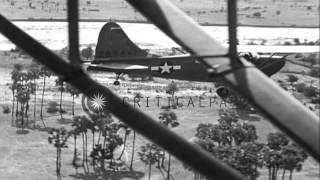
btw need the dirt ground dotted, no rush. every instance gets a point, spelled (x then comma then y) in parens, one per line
(209, 12)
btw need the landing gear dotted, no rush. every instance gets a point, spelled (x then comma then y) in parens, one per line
(117, 82)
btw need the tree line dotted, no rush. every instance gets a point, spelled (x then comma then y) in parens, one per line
(234, 142)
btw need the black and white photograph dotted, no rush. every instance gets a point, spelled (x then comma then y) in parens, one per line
(159, 89)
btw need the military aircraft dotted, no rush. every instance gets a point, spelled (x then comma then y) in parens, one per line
(115, 52)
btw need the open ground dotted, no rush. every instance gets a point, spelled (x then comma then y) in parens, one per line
(291, 13)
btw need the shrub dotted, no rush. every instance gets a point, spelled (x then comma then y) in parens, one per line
(314, 72)
(62, 111)
(315, 100)
(296, 41)
(87, 52)
(257, 14)
(292, 78)
(311, 58)
(5, 109)
(309, 91)
(53, 107)
(138, 95)
(287, 43)
(251, 43)
(172, 88)
(284, 87)
(311, 43)
(300, 87)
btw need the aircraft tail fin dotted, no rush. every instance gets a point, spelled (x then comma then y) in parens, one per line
(113, 42)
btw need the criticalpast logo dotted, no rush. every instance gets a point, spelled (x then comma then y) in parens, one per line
(96, 101)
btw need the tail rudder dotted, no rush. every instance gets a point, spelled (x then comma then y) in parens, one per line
(113, 42)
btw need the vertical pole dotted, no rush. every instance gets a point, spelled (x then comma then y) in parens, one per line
(73, 31)
(232, 21)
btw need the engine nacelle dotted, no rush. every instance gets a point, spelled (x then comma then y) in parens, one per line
(222, 92)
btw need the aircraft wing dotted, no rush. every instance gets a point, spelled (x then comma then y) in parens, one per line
(118, 68)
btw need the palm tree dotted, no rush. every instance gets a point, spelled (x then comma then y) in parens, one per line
(25, 88)
(15, 78)
(169, 119)
(60, 83)
(44, 72)
(292, 158)
(30, 89)
(58, 137)
(12, 87)
(92, 126)
(126, 133)
(150, 154)
(171, 89)
(75, 132)
(133, 149)
(34, 75)
(80, 123)
(74, 92)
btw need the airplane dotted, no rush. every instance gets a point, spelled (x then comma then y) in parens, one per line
(115, 52)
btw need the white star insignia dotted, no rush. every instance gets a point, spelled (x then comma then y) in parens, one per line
(165, 68)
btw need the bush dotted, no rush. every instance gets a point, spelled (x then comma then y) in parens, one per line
(257, 14)
(296, 41)
(53, 107)
(314, 72)
(137, 95)
(287, 43)
(172, 88)
(311, 58)
(87, 52)
(62, 111)
(5, 109)
(315, 100)
(284, 87)
(292, 78)
(300, 87)
(309, 91)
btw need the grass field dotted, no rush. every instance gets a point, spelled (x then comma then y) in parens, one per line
(303, 13)
(27, 154)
